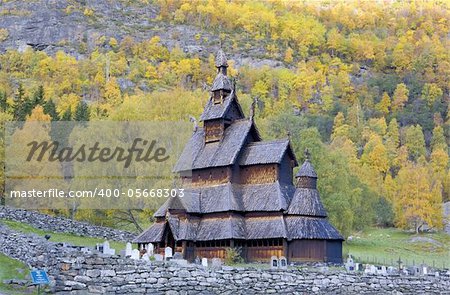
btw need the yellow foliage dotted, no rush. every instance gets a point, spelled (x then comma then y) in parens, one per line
(37, 114)
(418, 201)
(3, 35)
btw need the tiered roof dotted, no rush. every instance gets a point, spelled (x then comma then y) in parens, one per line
(235, 210)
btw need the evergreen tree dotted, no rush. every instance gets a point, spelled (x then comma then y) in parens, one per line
(20, 108)
(67, 115)
(50, 109)
(38, 97)
(3, 101)
(82, 112)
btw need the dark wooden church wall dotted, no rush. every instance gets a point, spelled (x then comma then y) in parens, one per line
(213, 130)
(334, 251)
(256, 174)
(211, 176)
(285, 170)
(306, 250)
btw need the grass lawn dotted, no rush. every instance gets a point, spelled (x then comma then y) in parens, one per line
(62, 237)
(386, 245)
(13, 269)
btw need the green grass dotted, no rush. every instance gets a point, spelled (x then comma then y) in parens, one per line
(13, 269)
(62, 237)
(388, 244)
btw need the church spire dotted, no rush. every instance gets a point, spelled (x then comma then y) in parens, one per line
(307, 176)
(221, 82)
(221, 62)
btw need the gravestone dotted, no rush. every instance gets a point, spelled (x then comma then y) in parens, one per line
(273, 262)
(197, 260)
(150, 249)
(282, 262)
(373, 269)
(367, 269)
(145, 257)
(105, 247)
(423, 271)
(349, 264)
(177, 255)
(391, 270)
(168, 253)
(135, 254)
(205, 262)
(128, 249)
(158, 257)
(122, 253)
(381, 270)
(216, 263)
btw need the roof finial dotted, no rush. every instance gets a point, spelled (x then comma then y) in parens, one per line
(194, 120)
(221, 59)
(252, 108)
(307, 155)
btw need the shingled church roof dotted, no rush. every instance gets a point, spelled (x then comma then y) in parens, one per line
(238, 227)
(306, 201)
(233, 197)
(307, 170)
(197, 154)
(221, 59)
(214, 111)
(266, 152)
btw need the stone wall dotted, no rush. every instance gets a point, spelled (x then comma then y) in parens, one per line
(74, 272)
(64, 225)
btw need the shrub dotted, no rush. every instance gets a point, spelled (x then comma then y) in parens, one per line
(233, 256)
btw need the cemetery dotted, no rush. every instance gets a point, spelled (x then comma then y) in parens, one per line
(101, 269)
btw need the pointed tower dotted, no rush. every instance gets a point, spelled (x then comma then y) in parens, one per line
(222, 108)
(306, 200)
(313, 237)
(222, 85)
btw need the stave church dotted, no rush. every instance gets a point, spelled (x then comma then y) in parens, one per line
(240, 192)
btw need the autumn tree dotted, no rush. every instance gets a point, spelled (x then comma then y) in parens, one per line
(418, 201)
(438, 140)
(400, 97)
(415, 142)
(385, 104)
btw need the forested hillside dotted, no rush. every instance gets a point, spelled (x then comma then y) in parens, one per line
(363, 84)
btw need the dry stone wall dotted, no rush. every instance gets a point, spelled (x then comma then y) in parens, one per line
(64, 225)
(75, 272)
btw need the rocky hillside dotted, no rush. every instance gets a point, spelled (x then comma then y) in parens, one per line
(78, 26)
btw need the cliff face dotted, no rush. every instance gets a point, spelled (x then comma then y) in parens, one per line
(77, 26)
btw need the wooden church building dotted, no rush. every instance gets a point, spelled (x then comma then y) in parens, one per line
(239, 192)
